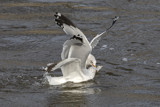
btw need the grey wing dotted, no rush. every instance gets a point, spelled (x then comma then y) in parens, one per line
(74, 48)
(69, 28)
(54, 66)
(80, 52)
(70, 67)
(65, 52)
(96, 39)
(67, 45)
(78, 45)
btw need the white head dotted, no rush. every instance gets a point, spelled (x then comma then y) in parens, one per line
(91, 61)
(90, 67)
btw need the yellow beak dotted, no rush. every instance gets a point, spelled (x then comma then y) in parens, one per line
(93, 65)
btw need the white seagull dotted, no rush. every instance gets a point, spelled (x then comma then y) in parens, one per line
(78, 64)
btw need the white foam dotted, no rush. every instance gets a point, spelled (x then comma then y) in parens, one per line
(103, 47)
(111, 49)
(124, 59)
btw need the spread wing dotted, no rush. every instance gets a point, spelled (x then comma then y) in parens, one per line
(77, 46)
(71, 67)
(54, 66)
(69, 28)
(96, 39)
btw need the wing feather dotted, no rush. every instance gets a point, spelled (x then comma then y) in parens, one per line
(69, 27)
(54, 66)
(78, 45)
(67, 45)
(96, 39)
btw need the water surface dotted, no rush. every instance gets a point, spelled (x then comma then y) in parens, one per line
(129, 53)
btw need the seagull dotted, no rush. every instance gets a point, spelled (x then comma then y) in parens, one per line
(72, 71)
(78, 64)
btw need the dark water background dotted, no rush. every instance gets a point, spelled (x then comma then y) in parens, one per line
(130, 53)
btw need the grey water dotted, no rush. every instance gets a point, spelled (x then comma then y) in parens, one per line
(129, 53)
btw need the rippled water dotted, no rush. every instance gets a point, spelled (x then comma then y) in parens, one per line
(130, 53)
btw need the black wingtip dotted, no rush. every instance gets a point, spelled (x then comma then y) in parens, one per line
(116, 18)
(57, 14)
(63, 20)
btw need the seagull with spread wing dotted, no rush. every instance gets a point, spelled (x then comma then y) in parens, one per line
(78, 64)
